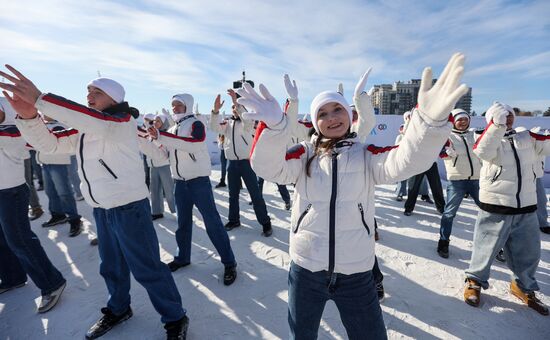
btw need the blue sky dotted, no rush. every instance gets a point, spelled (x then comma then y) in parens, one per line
(159, 48)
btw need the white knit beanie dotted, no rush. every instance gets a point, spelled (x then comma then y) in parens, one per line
(459, 113)
(186, 99)
(325, 98)
(9, 112)
(110, 87)
(489, 114)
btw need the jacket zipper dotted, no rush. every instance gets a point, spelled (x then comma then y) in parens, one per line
(469, 157)
(108, 169)
(363, 217)
(332, 215)
(82, 168)
(497, 174)
(176, 154)
(233, 138)
(518, 169)
(301, 218)
(244, 140)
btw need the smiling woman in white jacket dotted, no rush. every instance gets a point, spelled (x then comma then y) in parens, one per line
(332, 222)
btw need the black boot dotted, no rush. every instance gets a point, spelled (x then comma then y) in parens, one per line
(443, 248)
(107, 322)
(55, 220)
(220, 185)
(177, 330)
(267, 230)
(500, 256)
(229, 275)
(380, 291)
(232, 225)
(76, 227)
(176, 265)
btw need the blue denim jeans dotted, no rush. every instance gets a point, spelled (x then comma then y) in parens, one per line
(519, 235)
(34, 202)
(285, 195)
(401, 188)
(73, 177)
(128, 243)
(162, 182)
(241, 169)
(542, 212)
(20, 248)
(455, 194)
(59, 191)
(354, 295)
(198, 191)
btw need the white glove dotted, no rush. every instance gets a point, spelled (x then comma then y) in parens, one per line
(291, 88)
(363, 105)
(196, 109)
(264, 108)
(450, 152)
(165, 112)
(498, 112)
(436, 102)
(340, 89)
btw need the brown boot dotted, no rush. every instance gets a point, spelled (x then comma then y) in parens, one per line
(472, 293)
(528, 298)
(35, 213)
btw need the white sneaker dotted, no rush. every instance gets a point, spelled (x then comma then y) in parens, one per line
(49, 301)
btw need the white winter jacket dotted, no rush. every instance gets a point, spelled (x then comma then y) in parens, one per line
(12, 156)
(507, 179)
(238, 136)
(186, 143)
(156, 153)
(106, 145)
(463, 164)
(332, 221)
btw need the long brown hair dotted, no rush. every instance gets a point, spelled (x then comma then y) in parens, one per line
(321, 145)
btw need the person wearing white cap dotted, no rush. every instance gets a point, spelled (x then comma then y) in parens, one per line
(113, 183)
(508, 203)
(331, 236)
(190, 163)
(462, 166)
(21, 253)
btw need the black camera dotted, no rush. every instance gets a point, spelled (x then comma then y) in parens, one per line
(239, 83)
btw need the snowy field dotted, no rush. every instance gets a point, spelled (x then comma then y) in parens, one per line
(423, 291)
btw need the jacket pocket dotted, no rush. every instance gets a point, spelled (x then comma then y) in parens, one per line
(497, 174)
(362, 211)
(108, 169)
(244, 140)
(454, 163)
(295, 230)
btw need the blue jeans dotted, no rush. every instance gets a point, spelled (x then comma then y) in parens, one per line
(20, 248)
(128, 243)
(542, 213)
(34, 202)
(59, 191)
(223, 165)
(73, 177)
(401, 188)
(519, 236)
(455, 194)
(241, 169)
(355, 297)
(285, 195)
(198, 191)
(161, 181)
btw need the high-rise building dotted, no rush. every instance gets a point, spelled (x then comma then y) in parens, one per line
(402, 96)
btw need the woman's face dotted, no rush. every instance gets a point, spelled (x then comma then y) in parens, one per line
(462, 123)
(333, 120)
(178, 107)
(158, 123)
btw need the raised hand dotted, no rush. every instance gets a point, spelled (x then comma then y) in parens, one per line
(264, 108)
(340, 89)
(25, 93)
(153, 132)
(233, 96)
(362, 99)
(437, 101)
(196, 109)
(291, 88)
(498, 112)
(218, 103)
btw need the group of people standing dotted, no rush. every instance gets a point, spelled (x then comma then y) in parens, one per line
(334, 173)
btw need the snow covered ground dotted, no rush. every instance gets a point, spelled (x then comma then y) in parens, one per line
(424, 291)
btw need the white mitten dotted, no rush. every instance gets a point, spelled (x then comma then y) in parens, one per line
(196, 109)
(498, 112)
(264, 108)
(340, 89)
(436, 102)
(450, 152)
(361, 99)
(165, 112)
(291, 88)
